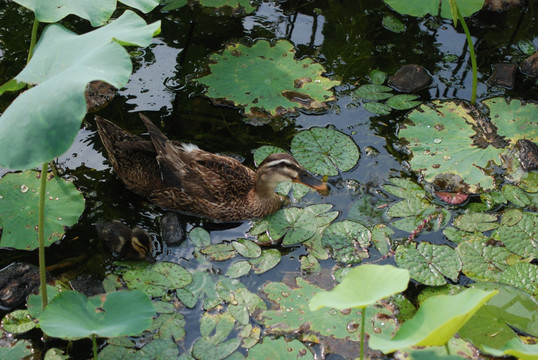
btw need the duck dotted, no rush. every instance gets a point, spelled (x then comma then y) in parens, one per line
(182, 177)
(127, 244)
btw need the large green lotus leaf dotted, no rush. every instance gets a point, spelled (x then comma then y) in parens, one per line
(436, 321)
(481, 261)
(43, 121)
(347, 240)
(522, 237)
(429, 264)
(96, 11)
(291, 314)
(157, 279)
(423, 7)
(19, 198)
(325, 151)
(280, 349)
(517, 348)
(494, 323)
(265, 78)
(522, 275)
(362, 286)
(234, 4)
(72, 315)
(441, 138)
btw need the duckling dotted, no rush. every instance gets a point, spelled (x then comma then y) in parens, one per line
(130, 244)
(182, 177)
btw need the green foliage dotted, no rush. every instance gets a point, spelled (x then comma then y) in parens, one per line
(280, 348)
(18, 321)
(422, 8)
(71, 315)
(348, 241)
(22, 349)
(19, 193)
(56, 104)
(267, 79)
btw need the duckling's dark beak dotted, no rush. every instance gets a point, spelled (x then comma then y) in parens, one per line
(307, 179)
(150, 258)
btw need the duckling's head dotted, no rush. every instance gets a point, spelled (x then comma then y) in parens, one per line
(281, 167)
(133, 244)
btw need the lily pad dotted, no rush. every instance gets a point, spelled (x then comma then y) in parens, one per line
(436, 321)
(378, 108)
(373, 92)
(19, 197)
(22, 349)
(244, 305)
(443, 139)
(481, 261)
(474, 221)
(362, 286)
(522, 275)
(215, 346)
(158, 279)
(403, 101)
(57, 104)
(267, 260)
(348, 241)
(414, 211)
(233, 4)
(325, 151)
(522, 237)
(419, 9)
(238, 269)
(97, 12)
(247, 248)
(202, 287)
(267, 79)
(429, 264)
(71, 315)
(280, 349)
(18, 321)
(405, 188)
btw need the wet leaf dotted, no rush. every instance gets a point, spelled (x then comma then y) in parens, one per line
(362, 286)
(280, 349)
(292, 314)
(202, 287)
(61, 75)
(435, 322)
(522, 237)
(367, 210)
(348, 241)
(309, 264)
(481, 261)
(268, 260)
(459, 236)
(247, 248)
(526, 47)
(377, 77)
(19, 196)
(157, 279)
(429, 264)
(517, 348)
(200, 237)
(474, 221)
(441, 138)
(515, 195)
(452, 198)
(510, 309)
(393, 24)
(244, 305)
(219, 252)
(374, 92)
(22, 349)
(72, 315)
(403, 101)
(18, 321)
(378, 108)
(325, 151)
(521, 275)
(420, 9)
(381, 238)
(267, 78)
(238, 269)
(405, 189)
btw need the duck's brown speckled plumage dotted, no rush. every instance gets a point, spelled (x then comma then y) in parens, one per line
(184, 178)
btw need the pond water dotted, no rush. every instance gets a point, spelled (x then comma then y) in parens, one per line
(347, 37)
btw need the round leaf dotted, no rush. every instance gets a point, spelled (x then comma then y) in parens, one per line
(325, 151)
(421, 8)
(373, 92)
(403, 102)
(363, 286)
(19, 198)
(280, 349)
(522, 237)
(156, 280)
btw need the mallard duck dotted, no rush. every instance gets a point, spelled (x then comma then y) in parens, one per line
(130, 244)
(181, 177)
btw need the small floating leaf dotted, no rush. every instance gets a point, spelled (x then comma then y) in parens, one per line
(219, 252)
(374, 92)
(522, 237)
(72, 315)
(280, 349)
(18, 321)
(474, 221)
(21, 350)
(235, 4)
(403, 101)
(393, 24)
(348, 241)
(435, 322)
(268, 260)
(521, 275)
(481, 261)
(405, 188)
(377, 77)
(19, 195)
(157, 279)
(377, 108)
(202, 287)
(247, 248)
(200, 237)
(429, 264)
(325, 151)
(515, 195)
(238, 269)
(362, 286)
(265, 78)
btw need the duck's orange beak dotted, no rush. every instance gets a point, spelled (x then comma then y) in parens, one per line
(310, 181)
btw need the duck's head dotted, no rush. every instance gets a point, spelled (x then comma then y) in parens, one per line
(133, 244)
(281, 167)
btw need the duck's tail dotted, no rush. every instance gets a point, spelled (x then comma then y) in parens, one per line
(157, 137)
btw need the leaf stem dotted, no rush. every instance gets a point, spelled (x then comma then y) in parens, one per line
(94, 342)
(363, 321)
(33, 40)
(473, 56)
(41, 235)
(447, 348)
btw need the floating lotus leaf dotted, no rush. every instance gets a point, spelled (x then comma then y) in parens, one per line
(493, 325)
(168, 325)
(200, 237)
(157, 279)
(280, 349)
(234, 4)
(522, 237)
(474, 221)
(347, 240)
(481, 261)
(97, 11)
(393, 24)
(325, 151)
(421, 8)
(436, 321)
(156, 349)
(441, 138)
(515, 195)
(517, 348)
(362, 286)
(57, 104)
(292, 314)
(72, 315)
(19, 197)
(267, 79)
(267, 260)
(429, 264)
(521, 275)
